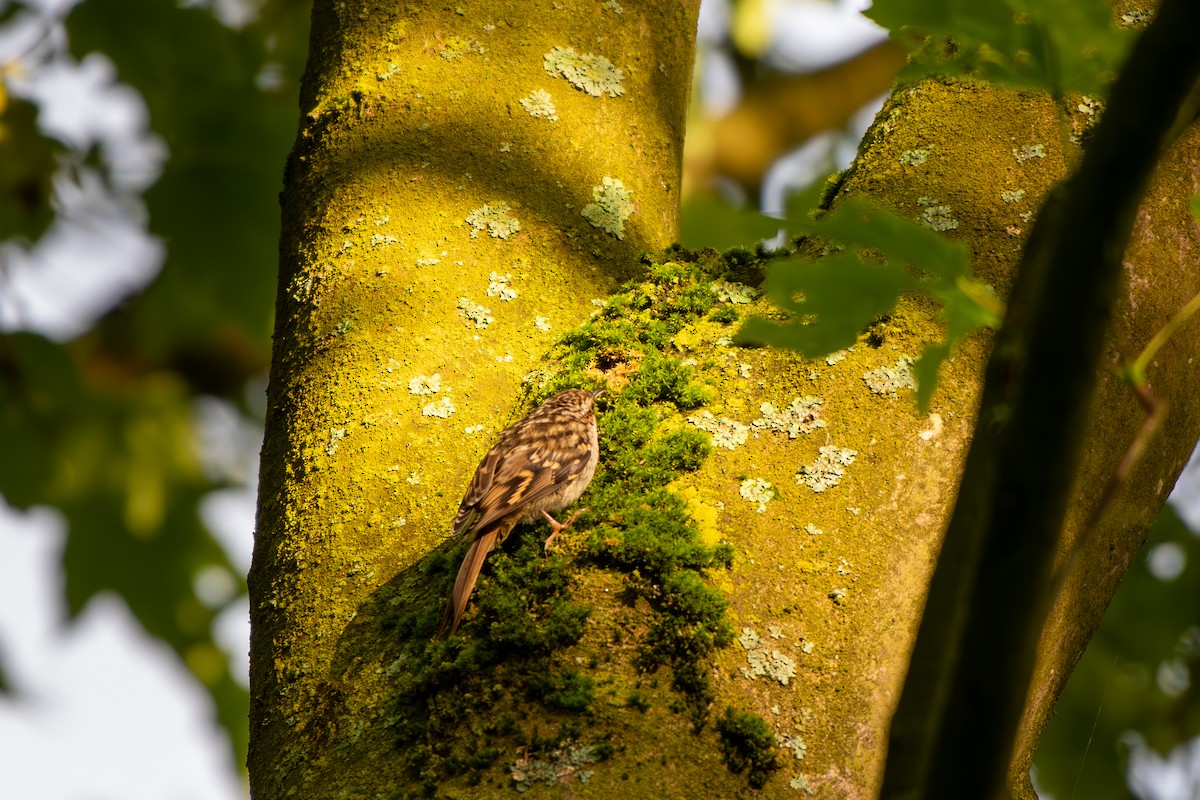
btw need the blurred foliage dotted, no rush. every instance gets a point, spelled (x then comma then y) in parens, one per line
(216, 202)
(871, 257)
(1056, 46)
(27, 162)
(1152, 624)
(103, 428)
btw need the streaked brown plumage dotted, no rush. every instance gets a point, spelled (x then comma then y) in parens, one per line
(540, 464)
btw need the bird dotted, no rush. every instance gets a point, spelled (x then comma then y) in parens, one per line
(540, 464)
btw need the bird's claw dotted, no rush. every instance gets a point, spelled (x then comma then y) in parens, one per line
(556, 526)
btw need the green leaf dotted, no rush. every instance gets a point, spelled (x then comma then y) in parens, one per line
(708, 221)
(1053, 45)
(833, 299)
(842, 294)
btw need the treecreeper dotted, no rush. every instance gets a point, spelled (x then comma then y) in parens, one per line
(540, 464)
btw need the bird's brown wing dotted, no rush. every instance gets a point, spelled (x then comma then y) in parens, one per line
(525, 472)
(480, 484)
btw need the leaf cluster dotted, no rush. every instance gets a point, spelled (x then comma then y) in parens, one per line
(1056, 46)
(872, 258)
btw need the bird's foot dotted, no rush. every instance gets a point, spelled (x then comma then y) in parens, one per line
(556, 526)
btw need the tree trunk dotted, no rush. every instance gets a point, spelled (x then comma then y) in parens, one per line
(417, 174)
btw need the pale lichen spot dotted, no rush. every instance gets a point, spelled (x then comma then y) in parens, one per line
(425, 384)
(936, 215)
(413, 479)
(471, 430)
(731, 292)
(887, 380)
(800, 782)
(611, 207)
(1027, 151)
(335, 437)
(812, 530)
(442, 408)
(1015, 196)
(837, 355)
(727, 433)
(493, 218)
(757, 491)
(561, 766)
(914, 158)
(541, 323)
(795, 744)
(764, 662)
(475, 313)
(935, 427)
(827, 469)
(593, 74)
(802, 416)
(456, 47)
(499, 287)
(540, 105)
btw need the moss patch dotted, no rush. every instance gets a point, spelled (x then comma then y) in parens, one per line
(522, 620)
(515, 653)
(748, 745)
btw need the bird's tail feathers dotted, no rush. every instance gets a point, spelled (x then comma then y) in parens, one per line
(464, 584)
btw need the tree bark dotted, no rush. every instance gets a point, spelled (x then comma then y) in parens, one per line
(411, 123)
(412, 120)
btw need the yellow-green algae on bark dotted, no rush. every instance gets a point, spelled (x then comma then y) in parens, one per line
(410, 123)
(983, 144)
(639, 675)
(377, 163)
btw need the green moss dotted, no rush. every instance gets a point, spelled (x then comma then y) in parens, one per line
(638, 701)
(521, 618)
(568, 690)
(665, 379)
(691, 626)
(726, 314)
(510, 652)
(748, 745)
(694, 301)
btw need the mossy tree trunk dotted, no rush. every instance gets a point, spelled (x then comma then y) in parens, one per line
(420, 195)
(435, 225)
